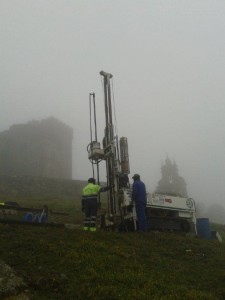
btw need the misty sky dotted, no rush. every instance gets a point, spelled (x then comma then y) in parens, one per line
(168, 64)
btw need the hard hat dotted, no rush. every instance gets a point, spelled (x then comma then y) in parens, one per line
(136, 177)
(91, 180)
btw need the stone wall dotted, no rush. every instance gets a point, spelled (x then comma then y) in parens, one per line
(39, 187)
(38, 148)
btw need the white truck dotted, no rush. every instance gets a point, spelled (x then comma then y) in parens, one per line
(164, 212)
(175, 213)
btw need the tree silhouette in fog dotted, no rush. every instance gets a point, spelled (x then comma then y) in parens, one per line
(171, 183)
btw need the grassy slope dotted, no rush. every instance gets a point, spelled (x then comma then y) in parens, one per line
(64, 264)
(59, 263)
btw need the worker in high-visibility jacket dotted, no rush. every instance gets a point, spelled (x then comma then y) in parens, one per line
(90, 195)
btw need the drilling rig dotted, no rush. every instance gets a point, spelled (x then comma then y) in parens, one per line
(163, 212)
(121, 212)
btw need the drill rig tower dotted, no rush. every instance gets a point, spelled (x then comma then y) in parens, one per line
(120, 211)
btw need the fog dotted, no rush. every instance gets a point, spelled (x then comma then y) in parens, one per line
(168, 66)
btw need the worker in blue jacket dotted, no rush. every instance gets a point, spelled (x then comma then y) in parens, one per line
(90, 203)
(140, 200)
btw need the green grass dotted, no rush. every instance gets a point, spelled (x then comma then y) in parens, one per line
(219, 228)
(59, 263)
(69, 205)
(64, 264)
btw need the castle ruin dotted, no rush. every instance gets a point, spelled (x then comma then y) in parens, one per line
(38, 148)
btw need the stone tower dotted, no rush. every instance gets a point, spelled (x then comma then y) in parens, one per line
(38, 148)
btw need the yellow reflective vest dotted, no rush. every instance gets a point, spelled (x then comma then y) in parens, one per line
(91, 190)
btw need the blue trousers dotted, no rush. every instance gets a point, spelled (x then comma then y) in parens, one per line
(90, 211)
(141, 217)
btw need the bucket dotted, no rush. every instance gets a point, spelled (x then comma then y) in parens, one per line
(203, 228)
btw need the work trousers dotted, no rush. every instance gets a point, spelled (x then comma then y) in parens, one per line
(141, 217)
(90, 211)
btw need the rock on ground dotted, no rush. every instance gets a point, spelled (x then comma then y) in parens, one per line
(10, 283)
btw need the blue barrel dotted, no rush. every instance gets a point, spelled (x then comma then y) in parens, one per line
(28, 217)
(203, 228)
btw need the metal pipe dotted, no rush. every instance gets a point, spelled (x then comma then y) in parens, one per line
(108, 106)
(110, 161)
(96, 138)
(90, 116)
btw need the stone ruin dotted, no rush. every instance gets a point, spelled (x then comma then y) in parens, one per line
(38, 148)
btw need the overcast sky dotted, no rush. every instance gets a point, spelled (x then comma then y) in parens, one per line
(168, 64)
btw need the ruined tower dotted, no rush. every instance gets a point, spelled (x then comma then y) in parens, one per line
(38, 148)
